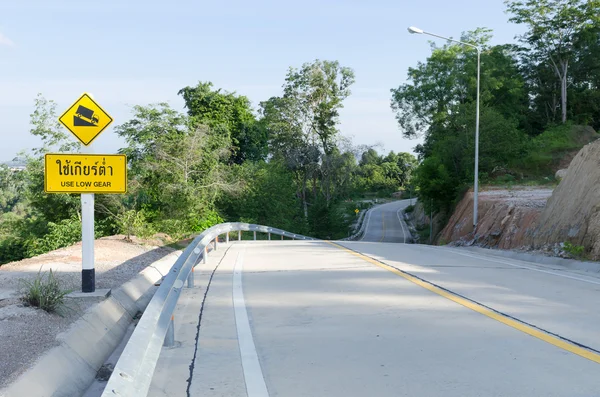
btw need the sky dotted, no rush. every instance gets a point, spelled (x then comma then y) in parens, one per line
(136, 52)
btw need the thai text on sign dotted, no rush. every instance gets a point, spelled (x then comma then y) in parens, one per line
(85, 173)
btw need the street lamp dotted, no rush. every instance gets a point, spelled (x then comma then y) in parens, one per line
(414, 30)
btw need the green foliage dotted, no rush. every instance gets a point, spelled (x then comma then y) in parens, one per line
(179, 170)
(202, 221)
(409, 209)
(45, 292)
(555, 27)
(523, 93)
(318, 89)
(330, 222)
(46, 126)
(544, 152)
(134, 223)
(232, 115)
(61, 234)
(268, 198)
(576, 251)
(12, 248)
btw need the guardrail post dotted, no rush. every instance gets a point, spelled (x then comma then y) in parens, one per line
(227, 237)
(170, 336)
(255, 235)
(269, 236)
(216, 240)
(239, 235)
(204, 255)
(190, 279)
(282, 236)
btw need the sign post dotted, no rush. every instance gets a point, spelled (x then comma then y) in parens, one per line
(88, 271)
(86, 174)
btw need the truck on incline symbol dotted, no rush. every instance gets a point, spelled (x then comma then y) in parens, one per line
(85, 117)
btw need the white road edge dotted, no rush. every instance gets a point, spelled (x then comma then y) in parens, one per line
(401, 224)
(253, 375)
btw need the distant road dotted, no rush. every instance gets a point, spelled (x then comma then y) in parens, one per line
(385, 224)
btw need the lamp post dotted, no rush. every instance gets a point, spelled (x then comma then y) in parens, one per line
(414, 30)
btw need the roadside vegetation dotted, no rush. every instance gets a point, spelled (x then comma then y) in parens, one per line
(45, 291)
(280, 163)
(539, 102)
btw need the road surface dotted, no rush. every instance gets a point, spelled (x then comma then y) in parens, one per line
(384, 223)
(312, 319)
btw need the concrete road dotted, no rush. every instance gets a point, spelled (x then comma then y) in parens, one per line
(385, 223)
(291, 318)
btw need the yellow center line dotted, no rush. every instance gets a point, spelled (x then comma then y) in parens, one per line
(382, 227)
(527, 329)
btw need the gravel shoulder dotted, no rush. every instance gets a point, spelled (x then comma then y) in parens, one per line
(26, 333)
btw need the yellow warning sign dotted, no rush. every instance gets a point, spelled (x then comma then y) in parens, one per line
(85, 119)
(356, 211)
(85, 173)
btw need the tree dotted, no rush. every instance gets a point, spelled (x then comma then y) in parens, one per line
(447, 80)
(553, 29)
(584, 90)
(268, 197)
(46, 126)
(370, 157)
(317, 91)
(178, 166)
(289, 144)
(439, 103)
(231, 114)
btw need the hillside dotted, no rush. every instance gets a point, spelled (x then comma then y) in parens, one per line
(543, 218)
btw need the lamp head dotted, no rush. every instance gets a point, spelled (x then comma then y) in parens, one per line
(414, 30)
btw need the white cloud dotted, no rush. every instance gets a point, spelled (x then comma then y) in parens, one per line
(6, 41)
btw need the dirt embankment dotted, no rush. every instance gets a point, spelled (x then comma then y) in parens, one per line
(505, 218)
(540, 219)
(573, 211)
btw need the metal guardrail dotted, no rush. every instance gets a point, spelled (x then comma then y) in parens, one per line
(134, 370)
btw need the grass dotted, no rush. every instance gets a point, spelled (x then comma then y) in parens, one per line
(545, 151)
(45, 292)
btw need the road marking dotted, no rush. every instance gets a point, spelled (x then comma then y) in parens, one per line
(382, 227)
(505, 262)
(253, 375)
(401, 224)
(512, 322)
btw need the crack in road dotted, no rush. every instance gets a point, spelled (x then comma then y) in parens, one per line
(193, 363)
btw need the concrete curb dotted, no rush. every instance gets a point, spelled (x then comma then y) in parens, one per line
(70, 368)
(592, 267)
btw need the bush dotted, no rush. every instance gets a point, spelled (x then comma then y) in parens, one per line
(576, 251)
(545, 151)
(133, 223)
(45, 292)
(409, 209)
(175, 228)
(12, 249)
(61, 234)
